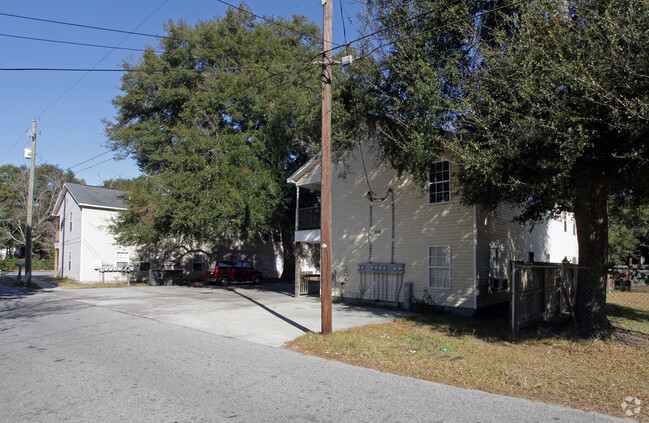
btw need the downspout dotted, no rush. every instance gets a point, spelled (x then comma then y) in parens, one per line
(371, 198)
(64, 221)
(392, 244)
(475, 258)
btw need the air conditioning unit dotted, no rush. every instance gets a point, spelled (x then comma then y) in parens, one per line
(499, 284)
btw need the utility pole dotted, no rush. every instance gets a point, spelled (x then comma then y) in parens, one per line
(325, 193)
(30, 210)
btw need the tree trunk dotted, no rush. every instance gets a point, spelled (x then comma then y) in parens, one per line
(288, 248)
(592, 234)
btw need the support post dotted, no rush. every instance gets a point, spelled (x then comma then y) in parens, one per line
(30, 211)
(325, 218)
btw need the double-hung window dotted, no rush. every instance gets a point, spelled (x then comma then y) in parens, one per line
(439, 183)
(439, 267)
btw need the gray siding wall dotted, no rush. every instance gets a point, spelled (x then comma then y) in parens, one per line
(550, 241)
(417, 225)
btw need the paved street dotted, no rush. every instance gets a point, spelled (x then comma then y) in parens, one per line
(91, 355)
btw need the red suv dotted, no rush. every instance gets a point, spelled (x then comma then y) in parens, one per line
(227, 271)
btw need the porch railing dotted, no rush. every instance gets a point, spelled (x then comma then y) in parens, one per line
(308, 218)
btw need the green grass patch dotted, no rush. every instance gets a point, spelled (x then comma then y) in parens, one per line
(629, 310)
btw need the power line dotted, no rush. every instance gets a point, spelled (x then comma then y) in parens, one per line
(95, 165)
(83, 26)
(92, 158)
(269, 20)
(479, 14)
(89, 70)
(420, 15)
(101, 60)
(73, 43)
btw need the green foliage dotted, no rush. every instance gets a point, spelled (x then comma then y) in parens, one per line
(545, 105)
(559, 102)
(224, 114)
(14, 187)
(37, 264)
(628, 230)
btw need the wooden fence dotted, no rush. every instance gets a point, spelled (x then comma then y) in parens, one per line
(541, 292)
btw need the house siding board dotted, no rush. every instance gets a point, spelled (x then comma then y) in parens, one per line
(99, 247)
(418, 225)
(547, 240)
(312, 177)
(72, 240)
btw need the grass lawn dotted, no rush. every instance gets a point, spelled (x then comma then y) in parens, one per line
(478, 354)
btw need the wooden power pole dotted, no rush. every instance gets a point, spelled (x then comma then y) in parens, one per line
(325, 213)
(30, 211)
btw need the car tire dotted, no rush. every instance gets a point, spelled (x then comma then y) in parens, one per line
(224, 280)
(256, 280)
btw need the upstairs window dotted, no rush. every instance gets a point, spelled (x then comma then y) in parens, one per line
(439, 183)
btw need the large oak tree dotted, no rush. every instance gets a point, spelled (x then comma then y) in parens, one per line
(216, 122)
(545, 103)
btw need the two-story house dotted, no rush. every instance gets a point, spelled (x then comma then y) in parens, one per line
(388, 232)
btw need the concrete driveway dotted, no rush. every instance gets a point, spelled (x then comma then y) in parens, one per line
(267, 314)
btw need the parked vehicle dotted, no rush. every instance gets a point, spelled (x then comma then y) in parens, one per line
(228, 271)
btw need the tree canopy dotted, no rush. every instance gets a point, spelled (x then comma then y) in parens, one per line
(14, 188)
(216, 122)
(545, 105)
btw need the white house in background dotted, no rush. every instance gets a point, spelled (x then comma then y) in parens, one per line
(387, 231)
(83, 243)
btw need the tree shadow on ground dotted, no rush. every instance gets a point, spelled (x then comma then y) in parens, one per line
(497, 327)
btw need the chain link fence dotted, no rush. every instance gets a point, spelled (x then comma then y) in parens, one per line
(543, 300)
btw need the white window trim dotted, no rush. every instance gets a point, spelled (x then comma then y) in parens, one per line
(430, 203)
(450, 258)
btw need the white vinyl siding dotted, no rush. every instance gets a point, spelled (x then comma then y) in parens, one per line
(417, 226)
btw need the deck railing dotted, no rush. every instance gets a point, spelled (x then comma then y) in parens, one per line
(308, 218)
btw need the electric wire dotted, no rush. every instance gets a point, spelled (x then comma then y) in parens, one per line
(269, 20)
(47, 40)
(468, 18)
(82, 26)
(92, 158)
(101, 60)
(95, 165)
(125, 70)
(293, 75)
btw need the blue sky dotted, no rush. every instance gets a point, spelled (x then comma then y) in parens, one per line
(69, 106)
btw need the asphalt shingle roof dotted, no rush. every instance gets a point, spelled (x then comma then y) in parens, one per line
(90, 196)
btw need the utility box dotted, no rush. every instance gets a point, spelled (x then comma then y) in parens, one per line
(407, 295)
